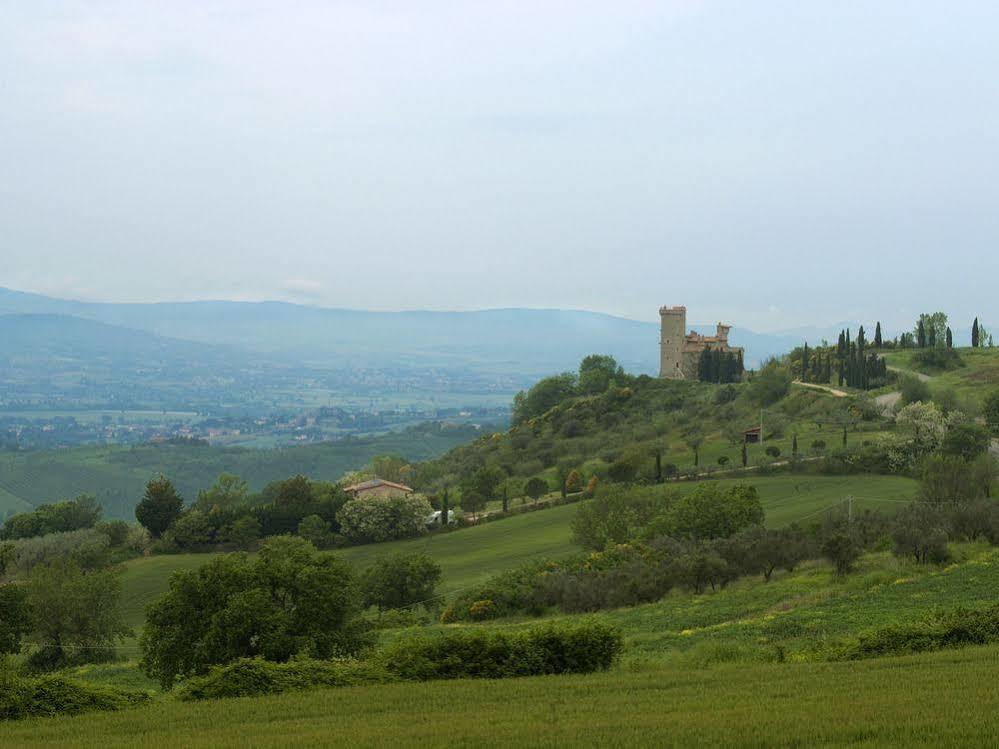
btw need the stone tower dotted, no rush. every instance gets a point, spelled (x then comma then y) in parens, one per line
(673, 330)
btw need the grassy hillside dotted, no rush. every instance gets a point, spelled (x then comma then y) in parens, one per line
(972, 381)
(695, 428)
(804, 610)
(117, 475)
(472, 555)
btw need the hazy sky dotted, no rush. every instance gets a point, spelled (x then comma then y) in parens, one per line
(773, 164)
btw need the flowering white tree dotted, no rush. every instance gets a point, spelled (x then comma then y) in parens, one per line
(920, 428)
(373, 519)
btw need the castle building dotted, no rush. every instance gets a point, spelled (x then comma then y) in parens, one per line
(680, 351)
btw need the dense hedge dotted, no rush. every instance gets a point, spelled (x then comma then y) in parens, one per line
(939, 631)
(24, 697)
(254, 676)
(556, 648)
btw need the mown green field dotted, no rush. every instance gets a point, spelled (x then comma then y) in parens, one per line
(971, 381)
(945, 699)
(466, 556)
(471, 555)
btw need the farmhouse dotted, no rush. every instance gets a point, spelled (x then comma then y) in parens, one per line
(378, 488)
(680, 351)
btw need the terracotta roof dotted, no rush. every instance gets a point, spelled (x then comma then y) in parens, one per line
(373, 483)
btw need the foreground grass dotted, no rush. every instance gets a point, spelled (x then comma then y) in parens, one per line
(943, 699)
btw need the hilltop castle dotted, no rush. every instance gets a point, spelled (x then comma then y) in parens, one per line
(680, 351)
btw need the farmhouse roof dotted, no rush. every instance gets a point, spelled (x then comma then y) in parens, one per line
(373, 483)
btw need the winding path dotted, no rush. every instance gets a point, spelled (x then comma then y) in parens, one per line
(824, 388)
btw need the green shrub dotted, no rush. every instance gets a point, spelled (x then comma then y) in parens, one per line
(510, 592)
(25, 697)
(557, 648)
(251, 677)
(940, 630)
(937, 359)
(482, 609)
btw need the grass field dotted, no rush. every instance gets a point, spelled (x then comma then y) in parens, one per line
(804, 610)
(943, 699)
(972, 381)
(471, 555)
(467, 556)
(698, 669)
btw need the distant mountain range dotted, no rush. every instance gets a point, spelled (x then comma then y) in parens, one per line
(523, 343)
(526, 342)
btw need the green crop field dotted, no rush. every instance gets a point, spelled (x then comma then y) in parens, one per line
(944, 699)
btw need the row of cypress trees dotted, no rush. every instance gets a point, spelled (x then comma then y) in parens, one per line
(854, 364)
(719, 366)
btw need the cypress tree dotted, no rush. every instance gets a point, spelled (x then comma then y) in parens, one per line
(974, 334)
(877, 335)
(794, 445)
(844, 436)
(804, 363)
(444, 509)
(861, 360)
(933, 337)
(745, 455)
(921, 334)
(950, 339)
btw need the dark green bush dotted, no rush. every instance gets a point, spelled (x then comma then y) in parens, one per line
(510, 591)
(937, 359)
(25, 697)
(250, 677)
(556, 648)
(941, 630)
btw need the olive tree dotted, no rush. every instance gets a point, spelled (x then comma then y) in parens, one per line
(287, 600)
(400, 580)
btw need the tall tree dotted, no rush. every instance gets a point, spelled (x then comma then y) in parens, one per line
(74, 611)
(804, 363)
(950, 339)
(921, 334)
(159, 507)
(694, 440)
(878, 342)
(975, 334)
